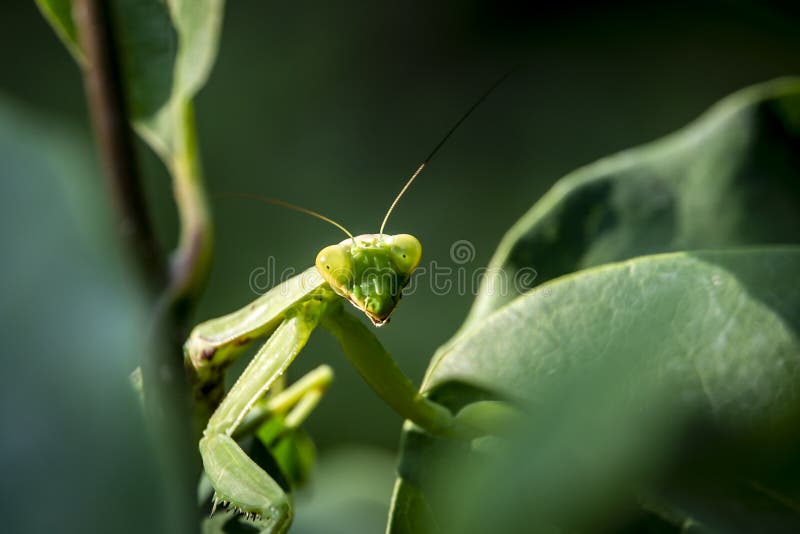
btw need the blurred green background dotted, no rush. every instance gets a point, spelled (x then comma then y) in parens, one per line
(332, 106)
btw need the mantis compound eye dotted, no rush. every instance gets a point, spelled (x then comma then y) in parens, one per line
(406, 252)
(335, 265)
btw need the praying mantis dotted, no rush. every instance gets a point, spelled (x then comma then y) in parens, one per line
(370, 271)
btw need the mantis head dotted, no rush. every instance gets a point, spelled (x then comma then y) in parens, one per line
(371, 271)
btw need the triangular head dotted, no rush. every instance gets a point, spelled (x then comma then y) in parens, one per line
(371, 271)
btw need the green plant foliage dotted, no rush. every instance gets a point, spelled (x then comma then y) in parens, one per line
(654, 357)
(660, 392)
(727, 180)
(655, 308)
(59, 13)
(293, 451)
(167, 48)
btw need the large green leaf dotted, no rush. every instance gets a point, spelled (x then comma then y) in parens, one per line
(613, 364)
(729, 179)
(672, 311)
(620, 367)
(167, 49)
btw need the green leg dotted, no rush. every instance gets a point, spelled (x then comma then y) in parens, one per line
(300, 399)
(380, 371)
(215, 344)
(294, 403)
(238, 481)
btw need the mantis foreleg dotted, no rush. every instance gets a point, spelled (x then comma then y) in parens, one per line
(238, 481)
(214, 344)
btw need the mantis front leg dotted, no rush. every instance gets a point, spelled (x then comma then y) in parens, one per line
(237, 479)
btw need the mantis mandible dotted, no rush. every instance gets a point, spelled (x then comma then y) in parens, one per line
(370, 271)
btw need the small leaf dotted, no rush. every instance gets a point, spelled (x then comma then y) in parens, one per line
(167, 51)
(295, 453)
(410, 512)
(59, 14)
(291, 449)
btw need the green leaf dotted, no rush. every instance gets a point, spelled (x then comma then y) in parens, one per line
(295, 453)
(410, 511)
(59, 14)
(291, 449)
(661, 392)
(613, 364)
(728, 179)
(739, 306)
(167, 49)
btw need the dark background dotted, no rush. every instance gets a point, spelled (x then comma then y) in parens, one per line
(332, 105)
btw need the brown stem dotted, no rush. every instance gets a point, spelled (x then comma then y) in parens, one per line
(166, 393)
(109, 114)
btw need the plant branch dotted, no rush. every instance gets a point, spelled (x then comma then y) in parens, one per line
(166, 395)
(106, 101)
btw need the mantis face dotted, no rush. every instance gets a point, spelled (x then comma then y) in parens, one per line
(371, 271)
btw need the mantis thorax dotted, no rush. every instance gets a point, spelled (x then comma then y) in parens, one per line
(371, 271)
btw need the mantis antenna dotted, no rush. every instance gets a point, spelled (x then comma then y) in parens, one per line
(442, 142)
(294, 207)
